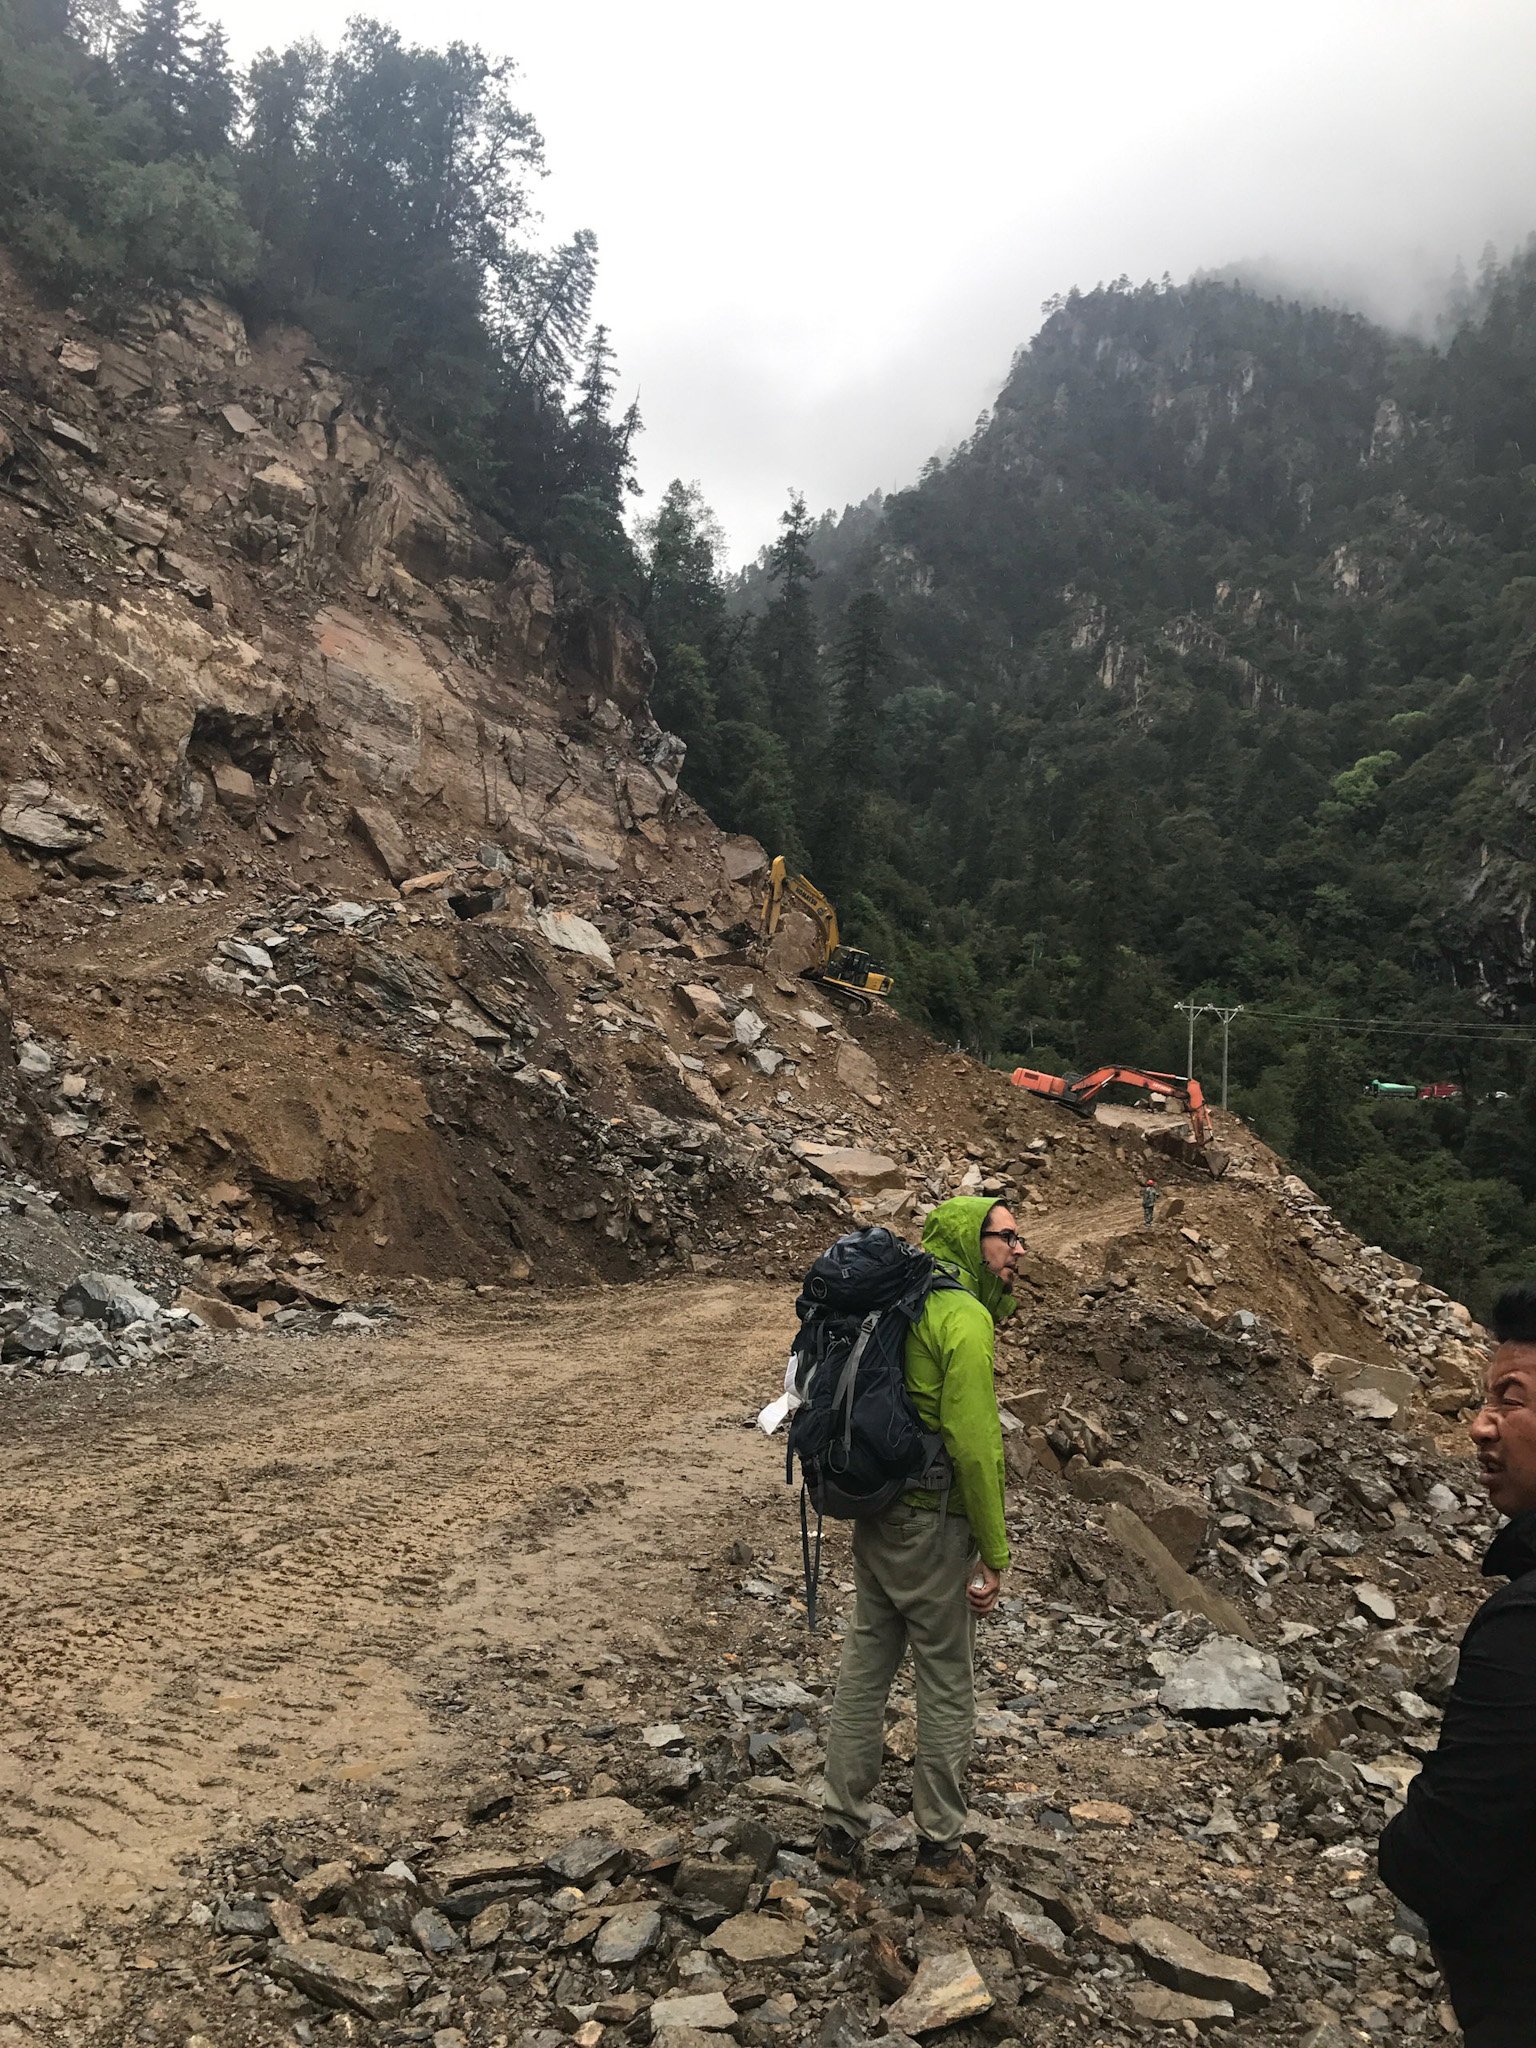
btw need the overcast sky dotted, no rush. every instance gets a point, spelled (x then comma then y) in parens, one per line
(824, 228)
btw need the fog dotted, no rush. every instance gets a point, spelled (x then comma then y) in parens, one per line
(824, 229)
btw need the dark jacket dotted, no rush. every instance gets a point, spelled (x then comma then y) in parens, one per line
(1462, 1853)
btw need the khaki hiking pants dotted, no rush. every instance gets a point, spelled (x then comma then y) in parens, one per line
(910, 1568)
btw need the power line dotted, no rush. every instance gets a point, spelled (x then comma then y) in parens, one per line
(1495, 1033)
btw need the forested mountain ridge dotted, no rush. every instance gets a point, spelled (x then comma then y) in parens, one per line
(1205, 667)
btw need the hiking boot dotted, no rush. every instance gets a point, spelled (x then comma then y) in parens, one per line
(837, 1852)
(944, 1866)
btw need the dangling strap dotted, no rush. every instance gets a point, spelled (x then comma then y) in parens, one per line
(939, 1478)
(847, 1385)
(812, 1572)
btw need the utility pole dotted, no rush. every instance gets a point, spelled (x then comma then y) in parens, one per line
(1192, 1009)
(1226, 1015)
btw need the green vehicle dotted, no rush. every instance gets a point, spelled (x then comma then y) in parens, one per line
(1408, 1090)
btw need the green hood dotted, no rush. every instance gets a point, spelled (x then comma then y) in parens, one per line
(953, 1234)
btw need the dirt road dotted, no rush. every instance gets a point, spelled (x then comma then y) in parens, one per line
(273, 1587)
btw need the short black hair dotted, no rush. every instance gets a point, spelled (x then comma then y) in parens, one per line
(1514, 1315)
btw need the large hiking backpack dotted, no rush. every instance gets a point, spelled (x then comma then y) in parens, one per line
(860, 1442)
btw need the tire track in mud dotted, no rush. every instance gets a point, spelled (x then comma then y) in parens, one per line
(224, 1596)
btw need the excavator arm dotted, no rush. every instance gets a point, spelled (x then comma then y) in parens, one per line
(843, 971)
(1081, 1091)
(810, 898)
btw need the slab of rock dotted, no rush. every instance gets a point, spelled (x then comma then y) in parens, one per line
(616, 1818)
(626, 1936)
(571, 934)
(1182, 1961)
(1184, 1594)
(69, 436)
(1101, 1813)
(1035, 1939)
(216, 1312)
(345, 1977)
(1160, 2007)
(282, 493)
(239, 421)
(748, 1028)
(1177, 1518)
(1370, 1404)
(76, 360)
(1364, 1387)
(385, 838)
(245, 953)
(757, 1938)
(38, 1335)
(476, 1867)
(700, 1000)
(584, 1858)
(856, 1070)
(30, 818)
(108, 1299)
(140, 525)
(947, 1988)
(742, 858)
(1380, 1606)
(432, 1934)
(319, 1889)
(34, 1060)
(709, 2011)
(1225, 1680)
(851, 1168)
(718, 1884)
(487, 1928)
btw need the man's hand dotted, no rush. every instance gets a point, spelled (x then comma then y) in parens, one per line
(983, 1589)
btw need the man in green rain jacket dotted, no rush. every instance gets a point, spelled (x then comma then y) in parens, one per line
(921, 1577)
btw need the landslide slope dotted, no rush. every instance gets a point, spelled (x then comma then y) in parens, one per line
(261, 669)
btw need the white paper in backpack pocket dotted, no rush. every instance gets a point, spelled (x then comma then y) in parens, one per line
(778, 1412)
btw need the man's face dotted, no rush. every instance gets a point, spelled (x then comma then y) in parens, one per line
(1000, 1244)
(1504, 1429)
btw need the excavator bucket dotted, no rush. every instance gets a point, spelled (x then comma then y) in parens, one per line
(1174, 1144)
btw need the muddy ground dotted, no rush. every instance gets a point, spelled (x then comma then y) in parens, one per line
(292, 1583)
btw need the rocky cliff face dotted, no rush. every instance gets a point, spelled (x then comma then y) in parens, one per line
(328, 812)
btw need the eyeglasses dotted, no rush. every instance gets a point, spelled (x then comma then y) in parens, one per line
(1009, 1237)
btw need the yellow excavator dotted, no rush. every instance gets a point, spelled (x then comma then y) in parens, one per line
(847, 974)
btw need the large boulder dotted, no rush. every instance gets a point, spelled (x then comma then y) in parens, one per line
(1179, 1519)
(345, 1977)
(1183, 1962)
(108, 1299)
(853, 1169)
(572, 934)
(1225, 1680)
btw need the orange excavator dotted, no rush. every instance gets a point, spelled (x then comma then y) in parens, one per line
(1080, 1092)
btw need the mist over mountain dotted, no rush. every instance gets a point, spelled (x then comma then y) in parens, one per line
(1408, 291)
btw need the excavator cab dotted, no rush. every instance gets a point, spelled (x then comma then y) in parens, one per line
(852, 977)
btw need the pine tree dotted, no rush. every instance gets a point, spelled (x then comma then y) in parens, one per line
(212, 99)
(842, 852)
(786, 650)
(551, 318)
(276, 164)
(595, 385)
(157, 61)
